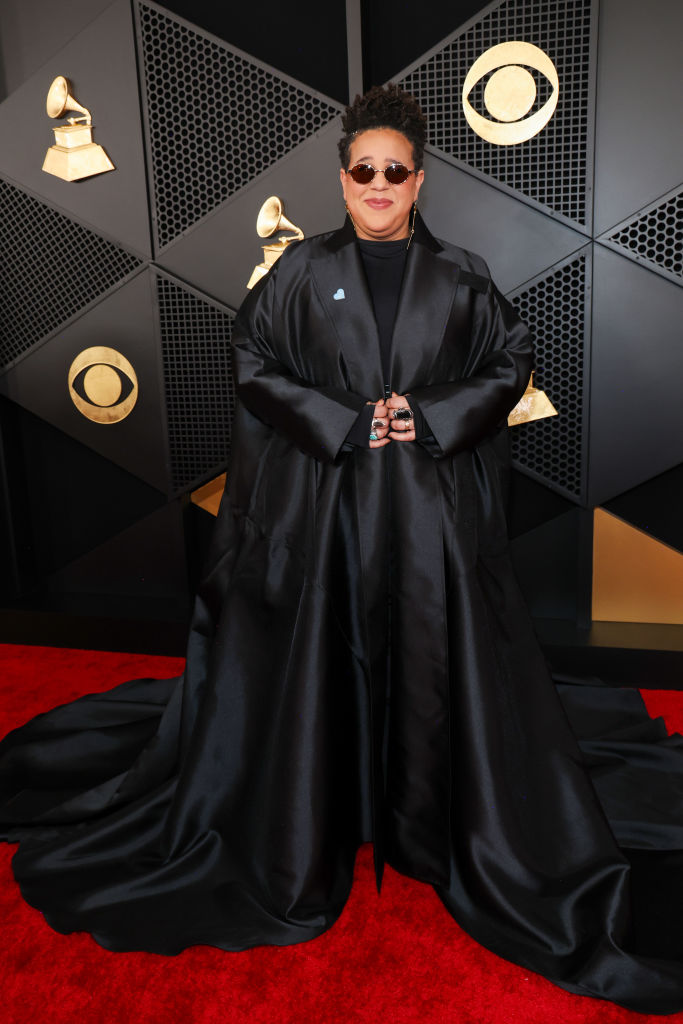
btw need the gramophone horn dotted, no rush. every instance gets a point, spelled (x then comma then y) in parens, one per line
(59, 99)
(271, 219)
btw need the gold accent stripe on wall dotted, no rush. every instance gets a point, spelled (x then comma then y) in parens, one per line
(635, 577)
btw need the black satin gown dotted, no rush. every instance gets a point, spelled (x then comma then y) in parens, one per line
(361, 667)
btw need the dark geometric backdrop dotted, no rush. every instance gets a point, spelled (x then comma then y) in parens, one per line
(582, 228)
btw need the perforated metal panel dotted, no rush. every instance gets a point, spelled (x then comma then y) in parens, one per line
(555, 309)
(656, 236)
(216, 119)
(553, 168)
(50, 269)
(198, 382)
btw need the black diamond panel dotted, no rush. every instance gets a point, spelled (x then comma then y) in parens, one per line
(200, 391)
(555, 310)
(656, 236)
(655, 507)
(50, 269)
(553, 167)
(216, 119)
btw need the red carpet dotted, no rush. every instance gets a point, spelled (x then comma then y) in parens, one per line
(394, 959)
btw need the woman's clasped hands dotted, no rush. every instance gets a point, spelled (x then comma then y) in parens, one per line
(390, 424)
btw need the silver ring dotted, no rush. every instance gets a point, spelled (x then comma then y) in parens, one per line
(378, 423)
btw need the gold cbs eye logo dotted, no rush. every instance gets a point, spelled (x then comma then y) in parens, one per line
(510, 93)
(103, 385)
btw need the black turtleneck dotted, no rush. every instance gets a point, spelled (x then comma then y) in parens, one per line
(384, 263)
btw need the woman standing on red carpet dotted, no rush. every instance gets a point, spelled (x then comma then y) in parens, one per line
(360, 666)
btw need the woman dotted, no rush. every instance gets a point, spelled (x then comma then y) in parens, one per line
(360, 666)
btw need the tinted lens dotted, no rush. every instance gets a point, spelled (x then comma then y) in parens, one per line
(396, 174)
(362, 174)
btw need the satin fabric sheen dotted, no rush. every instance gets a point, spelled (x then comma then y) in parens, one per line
(361, 667)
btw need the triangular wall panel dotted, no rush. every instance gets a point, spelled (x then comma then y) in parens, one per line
(636, 413)
(69, 499)
(653, 236)
(555, 307)
(655, 506)
(199, 387)
(216, 117)
(546, 561)
(101, 67)
(554, 168)
(635, 577)
(639, 142)
(123, 321)
(51, 268)
(145, 559)
(209, 495)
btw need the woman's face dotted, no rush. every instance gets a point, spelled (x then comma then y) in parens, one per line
(379, 210)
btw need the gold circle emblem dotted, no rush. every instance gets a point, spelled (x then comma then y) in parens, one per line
(103, 385)
(510, 93)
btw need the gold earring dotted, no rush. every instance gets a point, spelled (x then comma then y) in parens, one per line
(412, 226)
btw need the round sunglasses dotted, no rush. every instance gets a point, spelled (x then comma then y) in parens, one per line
(395, 174)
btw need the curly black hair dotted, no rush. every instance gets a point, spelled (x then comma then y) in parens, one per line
(384, 107)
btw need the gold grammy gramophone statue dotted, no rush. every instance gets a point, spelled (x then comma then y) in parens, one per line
(271, 219)
(533, 405)
(74, 154)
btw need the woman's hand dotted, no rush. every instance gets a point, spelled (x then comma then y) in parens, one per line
(401, 429)
(380, 424)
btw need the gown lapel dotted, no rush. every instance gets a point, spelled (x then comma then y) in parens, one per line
(343, 291)
(421, 321)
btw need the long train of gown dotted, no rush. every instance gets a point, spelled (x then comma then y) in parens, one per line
(217, 809)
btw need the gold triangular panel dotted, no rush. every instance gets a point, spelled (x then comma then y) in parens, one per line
(209, 495)
(635, 577)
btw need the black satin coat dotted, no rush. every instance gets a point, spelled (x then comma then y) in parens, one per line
(360, 667)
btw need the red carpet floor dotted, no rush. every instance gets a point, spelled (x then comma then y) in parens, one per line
(394, 959)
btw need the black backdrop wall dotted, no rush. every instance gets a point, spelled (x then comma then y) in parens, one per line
(207, 110)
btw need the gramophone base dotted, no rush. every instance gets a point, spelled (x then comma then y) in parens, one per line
(76, 163)
(533, 405)
(258, 272)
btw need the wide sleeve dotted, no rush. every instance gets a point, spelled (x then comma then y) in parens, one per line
(359, 434)
(463, 413)
(315, 417)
